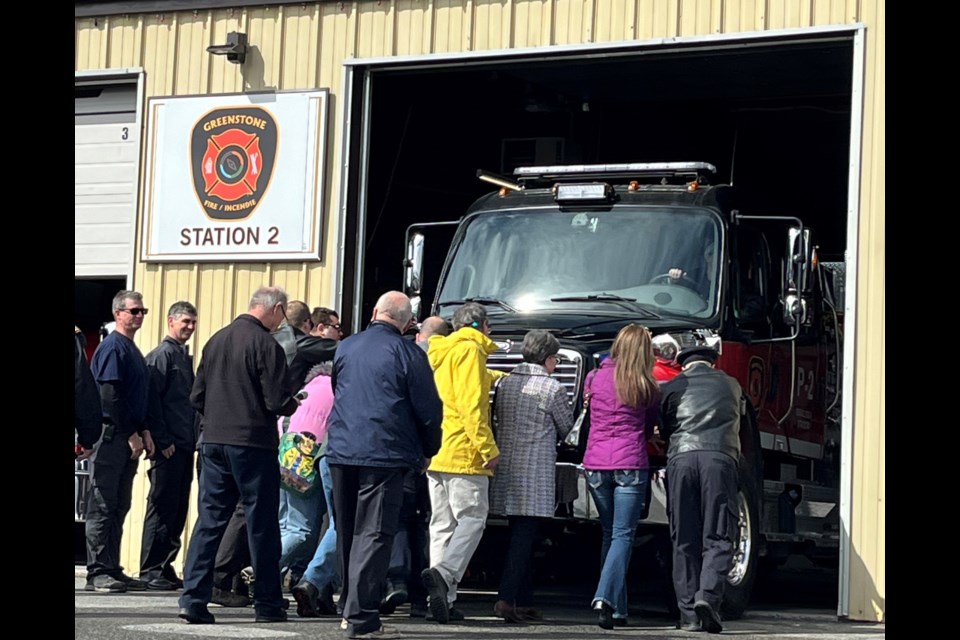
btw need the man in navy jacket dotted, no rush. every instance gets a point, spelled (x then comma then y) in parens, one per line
(386, 419)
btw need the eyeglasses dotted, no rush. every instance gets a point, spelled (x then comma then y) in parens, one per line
(335, 327)
(136, 311)
(557, 358)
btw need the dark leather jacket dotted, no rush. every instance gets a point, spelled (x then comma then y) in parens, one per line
(700, 410)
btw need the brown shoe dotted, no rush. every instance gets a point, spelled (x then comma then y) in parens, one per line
(531, 614)
(505, 610)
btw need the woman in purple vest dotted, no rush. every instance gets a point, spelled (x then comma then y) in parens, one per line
(624, 404)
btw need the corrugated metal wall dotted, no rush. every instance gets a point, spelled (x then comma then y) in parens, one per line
(302, 46)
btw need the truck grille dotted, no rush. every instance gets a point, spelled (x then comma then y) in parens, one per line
(569, 372)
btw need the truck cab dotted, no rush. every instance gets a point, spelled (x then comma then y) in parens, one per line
(584, 250)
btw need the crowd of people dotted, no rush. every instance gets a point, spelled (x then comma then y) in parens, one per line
(398, 459)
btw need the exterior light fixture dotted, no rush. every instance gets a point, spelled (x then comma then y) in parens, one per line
(235, 49)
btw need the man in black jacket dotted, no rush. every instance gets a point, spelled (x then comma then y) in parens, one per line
(701, 410)
(319, 345)
(174, 428)
(240, 388)
(386, 419)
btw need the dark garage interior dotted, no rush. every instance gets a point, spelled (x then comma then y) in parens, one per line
(772, 117)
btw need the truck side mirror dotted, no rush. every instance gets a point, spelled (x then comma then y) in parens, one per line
(799, 261)
(413, 266)
(797, 269)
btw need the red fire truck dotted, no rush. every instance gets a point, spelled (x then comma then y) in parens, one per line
(583, 250)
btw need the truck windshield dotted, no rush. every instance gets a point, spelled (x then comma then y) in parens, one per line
(565, 260)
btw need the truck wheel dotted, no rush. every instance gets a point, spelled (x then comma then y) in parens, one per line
(746, 548)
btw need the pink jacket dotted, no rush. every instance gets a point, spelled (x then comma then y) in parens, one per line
(313, 412)
(618, 433)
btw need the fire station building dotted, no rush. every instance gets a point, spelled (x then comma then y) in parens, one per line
(361, 118)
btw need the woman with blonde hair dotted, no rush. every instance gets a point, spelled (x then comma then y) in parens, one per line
(624, 403)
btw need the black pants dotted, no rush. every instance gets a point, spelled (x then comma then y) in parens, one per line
(170, 480)
(233, 554)
(252, 476)
(702, 509)
(516, 584)
(408, 556)
(111, 487)
(367, 502)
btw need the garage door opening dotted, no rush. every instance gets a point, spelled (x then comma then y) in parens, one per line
(774, 117)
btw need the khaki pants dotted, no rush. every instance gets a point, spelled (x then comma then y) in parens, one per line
(460, 506)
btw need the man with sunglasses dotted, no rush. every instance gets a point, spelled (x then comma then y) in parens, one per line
(121, 374)
(316, 346)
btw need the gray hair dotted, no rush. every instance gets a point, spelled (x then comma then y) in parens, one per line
(268, 297)
(538, 345)
(181, 307)
(322, 369)
(123, 296)
(396, 305)
(471, 314)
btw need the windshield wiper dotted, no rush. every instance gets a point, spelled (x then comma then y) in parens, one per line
(630, 304)
(479, 300)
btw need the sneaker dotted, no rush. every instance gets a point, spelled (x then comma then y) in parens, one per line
(709, 620)
(246, 574)
(344, 624)
(384, 633)
(229, 598)
(605, 616)
(687, 625)
(307, 597)
(437, 590)
(105, 584)
(132, 584)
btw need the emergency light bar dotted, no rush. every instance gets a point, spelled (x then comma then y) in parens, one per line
(625, 170)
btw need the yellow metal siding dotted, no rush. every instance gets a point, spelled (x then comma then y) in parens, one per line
(868, 525)
(303, 45)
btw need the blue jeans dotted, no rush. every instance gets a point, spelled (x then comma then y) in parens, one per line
(299, 528)
(323, 569)
(619, 496)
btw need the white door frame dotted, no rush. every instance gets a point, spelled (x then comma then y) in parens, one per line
(89, 77)
(855, 31)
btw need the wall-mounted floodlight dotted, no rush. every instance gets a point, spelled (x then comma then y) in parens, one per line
(235, 49)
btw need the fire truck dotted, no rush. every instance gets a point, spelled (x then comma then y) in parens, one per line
(584, 250)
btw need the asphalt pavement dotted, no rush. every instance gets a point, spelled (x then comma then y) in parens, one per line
(144, 615)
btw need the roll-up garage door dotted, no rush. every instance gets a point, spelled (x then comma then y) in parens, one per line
(107, 157)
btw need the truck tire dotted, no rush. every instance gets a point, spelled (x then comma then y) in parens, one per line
(746, 547)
